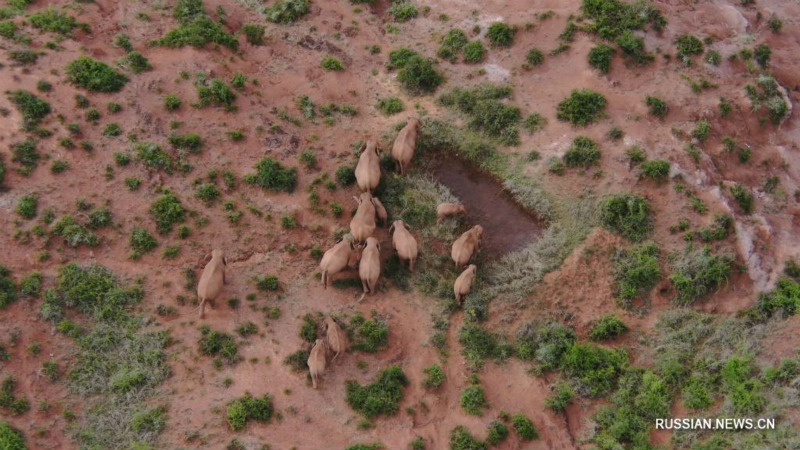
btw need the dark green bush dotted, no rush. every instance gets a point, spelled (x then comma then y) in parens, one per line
(595, 369)
(333, 64)
(582, 153)
(8, 29)
(196, 28)
(368, 335)
(696, 394)
(100, 218)
(744, 390)
(74, 233)
(27, 206)
(189, 141)
(268, 283)
(172, 102)
(32, 108)
(151, 421)
(216, 343)
(600, 57)
(390, 106)
(718, 230)
(613, 17)
(419, 76)
(8, 290)
(434, 377)
(524, 427)
(56, 22)
(656, 169)
(10, 438)
(473, 400)
(287, 11)
(31, 285)
(142, 241)
(400, 57)
(561, 397)
(308, 330)
(153, 157)
(607, 327)
(582, 107)
(254, 33)
(500, 34)
(167, 211)
(545, 343)
(26, 155)
(207, 192)
(403, 10)
(633, 48)
(701, 130)
(636, 272)
(25, 57)
(743, 198)
(626, 214)
(216, 93)
(480, 344)
(270, 174)
(462, 439)
(474, 52)
(382, 397)
(135, 62)
(94, 75)
(657, 107)
(112, 130)
(497, 433)
(697, 272)
(248, 408)
(534, 57)
(688, 46)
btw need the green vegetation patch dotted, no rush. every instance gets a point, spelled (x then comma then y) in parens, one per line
(32, 108)
(636, 272)
(473, 400)
(544, 343)
(462, 439)
(697, 272)
(382, 397)
(247, 408)
(218, 344)
(600, 57)
(766, 94)
(486, 112)
(594, 369)
(196, 28)
(56, 22)
(10, 438)
(582, 107)
(167, 211)
(368, 336)
(287, 11)
(583, 152)
(272, 175)
(8, 289)
(628, 215)
(94, 75)
(607, 327)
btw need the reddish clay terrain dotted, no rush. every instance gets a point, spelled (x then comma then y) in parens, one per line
(578, 292)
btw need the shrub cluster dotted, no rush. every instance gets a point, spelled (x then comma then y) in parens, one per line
(473, 400)
(594, 369)
(94, 75)
(607, 327)
(217, 343)
(367, 335)
(287, 11)
(32, 108)
(600, 57)
(382, 397)
(167, 211)
(196, 28)
(582, 153)
(270, 174)
(544, 343)
(500, 34)
(626, 214)
(249, 408)
(636, 271)
(697, 272)
(582, 107)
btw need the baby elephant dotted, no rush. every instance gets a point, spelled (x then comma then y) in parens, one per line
(405, 244)
(363, 223)
(318, 361)
(368, 170)
(211, 280)
(370, 267)
(445, 210)
(464, 282)
(466, 245)
(336, 259)
(337, 339)
(405, 144)
(380, 211)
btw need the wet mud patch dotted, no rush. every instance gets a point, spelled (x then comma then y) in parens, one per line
(507, 225)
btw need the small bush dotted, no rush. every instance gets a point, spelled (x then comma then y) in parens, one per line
(561, 397)
(382, 397)
(135, 62)
(497, 433)
(216, 343)
(701, 130)
(368, 336)
(434, 377)
(582, 153)
(74, 233)
(500, 34)
(462, 439)
(524, 427)
(100, 218)
(390, 106)
(657, 107)
(268, 283)
(207, 192)
(11, 439)
(167, 211)
(8, 290)
(217, 93)
(189, 141)
(743, 198)
(332, 64)
(24, 57)
(123, 41)
(534, 57)
(248, 408)
(689, 46)
(480, 344)
(595, 369)
(607, 327)
(26, 155)
(8, 29)
(172, 102)
(142, 241)
(403, 10)
(474, 52)
(633, 48)
(400, 57)
(271, 175)
(636, 272)
(600, 57)
(31, 285)
(56, 22)
(545, 343)
(626, 214)
(287, 11)
(27, 206)
(196, 28)
(696, 273)
(419, 76)
(32, 108)
(112, 130)
(473, 400)
(656, 169)
(254, 33)
(582, 107)
(94, 75)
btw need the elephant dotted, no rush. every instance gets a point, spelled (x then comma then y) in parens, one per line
(363, 223)
(464, 282)
(405, 244)
(318, 361)
(212, 279)
(336, 259)
(368, 170)
(444, 210)
(466, 245)
(380, 211)
(405, 144)
(336, 337)
(370, 267)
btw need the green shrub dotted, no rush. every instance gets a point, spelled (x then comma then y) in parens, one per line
(27, 206)
(368, 335)
(8, 29)
(480, 344)
(473, 400)
(561, 397)
(135, 62)
(695, 273)
(298, 361)
(74, 233)
(123, 41)
(474, 52)
(545, 343)
(332, 64)
(167, 211)
(373, 446)
(270, 174)
(93, 115)
(390, 106)
(613, 17)
(688, 46)
(287, 11)
(455, 39)
(268, 283)
(582, 107)
(500, 34)
(189, 141)
(31, 285)
(196, 28)
(656, 169)
(100, 218)
(419, 76)
(657, 107)
(744, 391)
(26, 155)
(254, 33)
(8, 290)
(216, 93)
(626, 214)
(308, 330)
(32, 108)
(636, 272)
(534, 122)
(534, 57)
(595, 369)
(718, 230)
(462, 439)
(24, 57)
(216, 343)
(249, 408)
(607, 327)
(400, 57)
(582, 153)
(696, 394)
(497, 433)
(633, 48)
(524, 427)
(403, 10)
(743, 198)
(10, 438)
(600, 57)
(207, 192)
(112, 130)
(172, 102)
(434, 377)
(767, 94)
(142, 241)
(382, 397)
(56, 22)
(701, 130)
(114, 107)
(94, 75)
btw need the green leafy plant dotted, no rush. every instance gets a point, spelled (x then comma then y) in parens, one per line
(697, 272)
(216, 343)
(524, 427)
(474, 52)
(332, 64)
(27, 206)
(600, 57)
(32, 108)
(247, 408)
(462, 439)
(56, 22)
(473, 400)
(142, 241)
(419, 76)
(636, 272)
(497, 433)
(135, 62)
(26, 155)
(656, 169)
(582, 107)
(390, 106)
(196, 28)
(500, 34)
(626, 214)
(254, 33)
(657, 107)
(582, 153)
(94, 75)
(368, 336)
(217, 93)
(689, 46)
(403, 10)
(607, 327)
(534, 57)
(271, 175)
(167, 211)
(434, 376)
(561, 398)
(382, 397)
(172, 102)
(744, 198)
(287, 11)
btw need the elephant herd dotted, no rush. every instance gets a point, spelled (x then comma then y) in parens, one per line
(360, 248)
